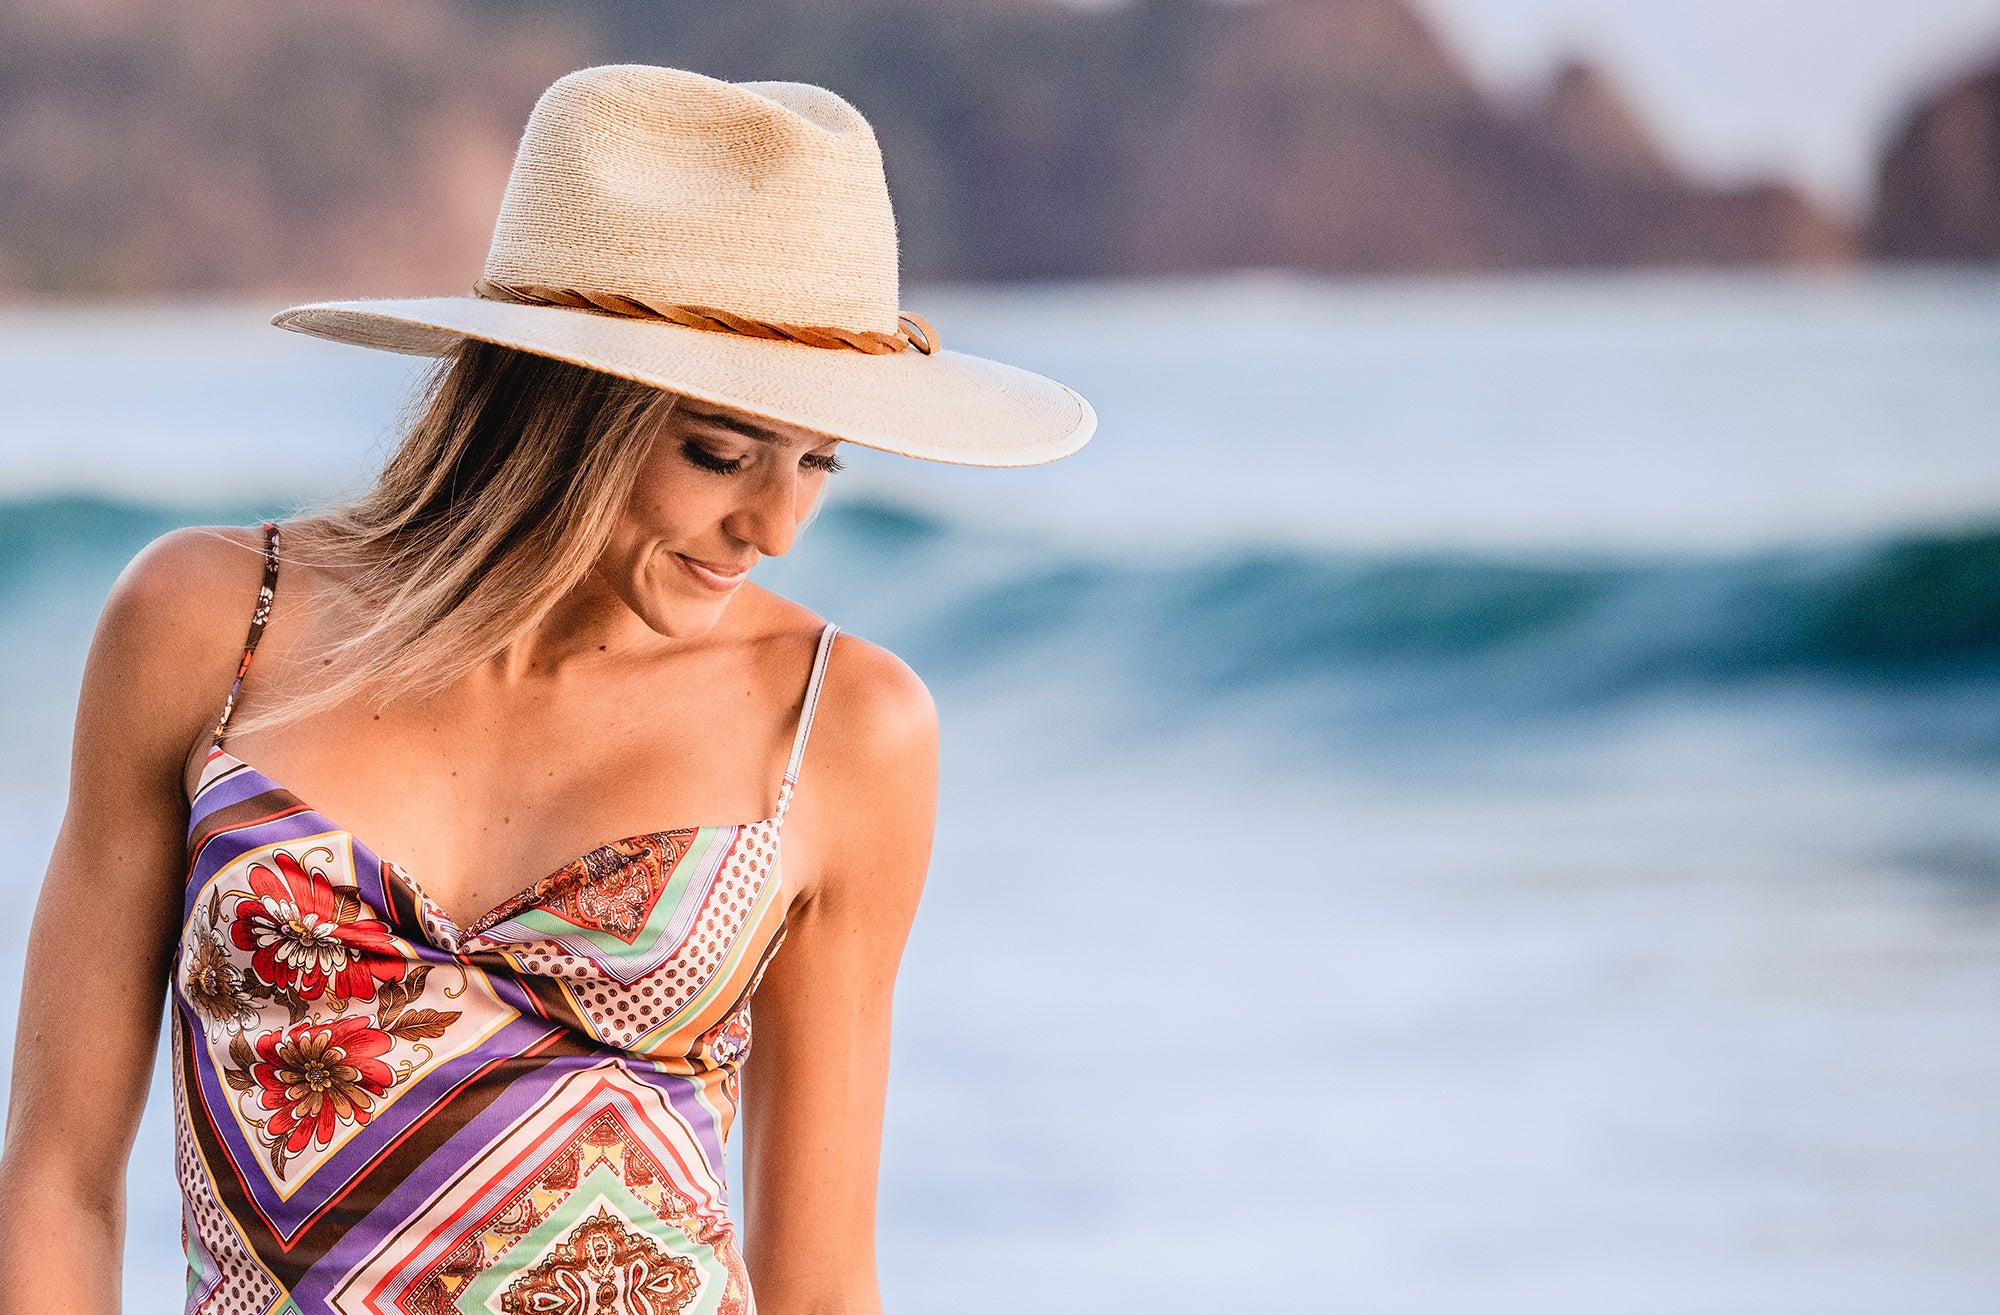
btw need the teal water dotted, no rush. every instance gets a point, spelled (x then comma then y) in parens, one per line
(1466, 796)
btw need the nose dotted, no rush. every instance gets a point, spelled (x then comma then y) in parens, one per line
(768, 516)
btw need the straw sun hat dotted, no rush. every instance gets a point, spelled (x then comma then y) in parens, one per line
(733, 242)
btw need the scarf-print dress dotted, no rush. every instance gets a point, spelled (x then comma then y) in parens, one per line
(379, 1112)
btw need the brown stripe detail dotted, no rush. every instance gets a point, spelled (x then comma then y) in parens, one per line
(322, 1231)
(551, 1001)
(226, 1176)
(394, 1163)
(267, 806)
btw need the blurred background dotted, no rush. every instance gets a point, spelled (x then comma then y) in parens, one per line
(1476, 792)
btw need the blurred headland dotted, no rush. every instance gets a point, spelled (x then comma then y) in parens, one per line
(1938, 190)
(358, 147)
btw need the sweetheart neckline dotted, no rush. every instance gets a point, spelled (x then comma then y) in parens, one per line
(479, 925)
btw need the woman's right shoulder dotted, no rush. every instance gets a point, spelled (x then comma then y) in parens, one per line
(186, 582)
(172, 628)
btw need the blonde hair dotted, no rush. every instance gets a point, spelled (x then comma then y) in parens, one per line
(494, 505)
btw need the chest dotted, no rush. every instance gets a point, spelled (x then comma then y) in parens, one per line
(326, 1000)
(474, 813)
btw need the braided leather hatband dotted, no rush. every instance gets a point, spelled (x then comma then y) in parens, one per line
(912, 331)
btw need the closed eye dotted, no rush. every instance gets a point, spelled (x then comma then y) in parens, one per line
(707, 460)
(701, 456)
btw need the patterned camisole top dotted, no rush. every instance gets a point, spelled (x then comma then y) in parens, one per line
(377, 1111)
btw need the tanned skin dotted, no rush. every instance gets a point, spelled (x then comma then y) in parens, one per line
(689, 685)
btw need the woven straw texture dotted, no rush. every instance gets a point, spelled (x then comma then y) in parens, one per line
(766, 200)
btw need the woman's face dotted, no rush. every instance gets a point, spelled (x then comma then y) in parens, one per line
(720, 490)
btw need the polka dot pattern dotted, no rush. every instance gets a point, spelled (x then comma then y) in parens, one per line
(623, 1015)
(631, 973)
(244, 1288)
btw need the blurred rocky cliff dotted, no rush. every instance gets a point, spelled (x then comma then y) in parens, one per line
(359, 146)
(212, 146)
(1938, 190)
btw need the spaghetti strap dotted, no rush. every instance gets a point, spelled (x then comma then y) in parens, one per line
(265, 593)
(806, 717)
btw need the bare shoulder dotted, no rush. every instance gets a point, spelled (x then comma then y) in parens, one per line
(193, 567)
(871, 702)
(162, 655)
(870, 769)
(186, 588)
(879, 710)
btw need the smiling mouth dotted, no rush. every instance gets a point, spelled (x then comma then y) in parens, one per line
(712, 577)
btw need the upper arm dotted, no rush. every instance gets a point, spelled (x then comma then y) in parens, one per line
(816, 1079)
(107, 917)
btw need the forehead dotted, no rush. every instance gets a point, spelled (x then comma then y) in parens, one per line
(712, 415)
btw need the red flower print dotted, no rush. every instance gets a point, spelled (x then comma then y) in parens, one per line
(320, 1075)
(306, 935)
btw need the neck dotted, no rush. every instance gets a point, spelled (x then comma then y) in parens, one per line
(588, 627)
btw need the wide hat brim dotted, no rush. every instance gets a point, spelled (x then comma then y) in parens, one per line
(946, 406)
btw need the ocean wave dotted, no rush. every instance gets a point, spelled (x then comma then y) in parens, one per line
(1915, 607)
(1329, 627)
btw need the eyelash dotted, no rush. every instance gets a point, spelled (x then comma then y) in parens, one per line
(707, 460)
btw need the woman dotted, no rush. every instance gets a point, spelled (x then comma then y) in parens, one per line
(437, 1044)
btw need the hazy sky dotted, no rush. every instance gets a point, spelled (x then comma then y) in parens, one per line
(1807, 86)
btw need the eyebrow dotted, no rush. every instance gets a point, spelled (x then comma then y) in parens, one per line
(747, 428)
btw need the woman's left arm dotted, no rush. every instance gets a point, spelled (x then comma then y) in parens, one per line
(815, 1079)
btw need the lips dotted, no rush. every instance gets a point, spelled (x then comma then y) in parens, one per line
(714, 575)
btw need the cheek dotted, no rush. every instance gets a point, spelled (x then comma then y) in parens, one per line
(642, 571)
(673, 508)
(673, 504)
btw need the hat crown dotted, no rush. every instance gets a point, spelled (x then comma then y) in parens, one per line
(763, 199)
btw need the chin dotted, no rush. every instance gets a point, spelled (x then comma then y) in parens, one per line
(685, 618)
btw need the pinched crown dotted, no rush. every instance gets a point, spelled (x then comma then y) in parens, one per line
(763, 199)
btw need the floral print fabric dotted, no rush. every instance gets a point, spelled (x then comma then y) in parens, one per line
(377, 1111)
